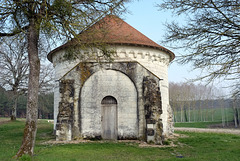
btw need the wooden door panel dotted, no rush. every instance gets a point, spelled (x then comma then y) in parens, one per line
(109, 121)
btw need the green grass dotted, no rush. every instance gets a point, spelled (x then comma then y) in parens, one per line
(195, 124)
(191, 147)
(10, 136)
(214, 115)
(210, 147)
(102, 151)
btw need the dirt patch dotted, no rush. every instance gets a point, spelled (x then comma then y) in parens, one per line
(228, 125)
(206, 130)
(140, 143)
(4, 121)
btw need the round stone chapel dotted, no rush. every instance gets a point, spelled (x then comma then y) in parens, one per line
(112, 83)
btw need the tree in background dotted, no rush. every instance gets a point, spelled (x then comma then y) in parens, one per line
(4, 102)
(14, 68)
(192, 101)
(236, 111)
(211, 34)
(56, 19)
(174, 97)
(45, 106)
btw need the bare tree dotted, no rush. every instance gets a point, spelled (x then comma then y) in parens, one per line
(57, 19)
(46, 80)
(180, 99)
(14, 69)
(236, 111)
(211, 34)
(193, 100)
(174, 98)
(184, 97)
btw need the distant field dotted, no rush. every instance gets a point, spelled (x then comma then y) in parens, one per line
(188, 146)
(214, 115)
(195, 124)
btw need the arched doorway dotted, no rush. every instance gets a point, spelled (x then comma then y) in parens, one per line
(109, 118)
(117, 85)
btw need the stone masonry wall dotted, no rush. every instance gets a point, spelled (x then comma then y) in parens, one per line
(149, 105)
(153, 110)
(152, 59)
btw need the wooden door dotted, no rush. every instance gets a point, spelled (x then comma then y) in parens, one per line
(109, 118)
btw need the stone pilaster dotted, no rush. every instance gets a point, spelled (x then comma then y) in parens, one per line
(153, 110)
(65, 115)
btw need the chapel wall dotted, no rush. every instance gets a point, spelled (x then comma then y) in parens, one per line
(109, 83)
(70, 121)
(154, 60)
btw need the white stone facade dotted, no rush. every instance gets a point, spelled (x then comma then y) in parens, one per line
(111, 82)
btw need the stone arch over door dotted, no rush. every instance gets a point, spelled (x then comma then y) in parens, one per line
(117, 85)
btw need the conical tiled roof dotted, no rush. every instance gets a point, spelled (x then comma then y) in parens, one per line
(112, 30)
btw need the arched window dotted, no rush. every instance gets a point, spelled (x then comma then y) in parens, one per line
(109, 100)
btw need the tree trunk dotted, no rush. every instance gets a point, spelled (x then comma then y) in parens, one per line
(223, 115)
(237, 117)
(30, 129)
(226, 114)
(175, 115)
(194, 112)
(212, 111)
(14, 108)
(206, 115)
(235, 114)
(181, 114)
(200, 111)
(189, 112)
(212, 115)
(185, 114)
(201, 115)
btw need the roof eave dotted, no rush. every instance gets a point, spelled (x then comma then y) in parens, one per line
(171, 54)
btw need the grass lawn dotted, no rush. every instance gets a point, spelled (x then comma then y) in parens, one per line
(191, 147)
(195, 124)
(214, 115)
